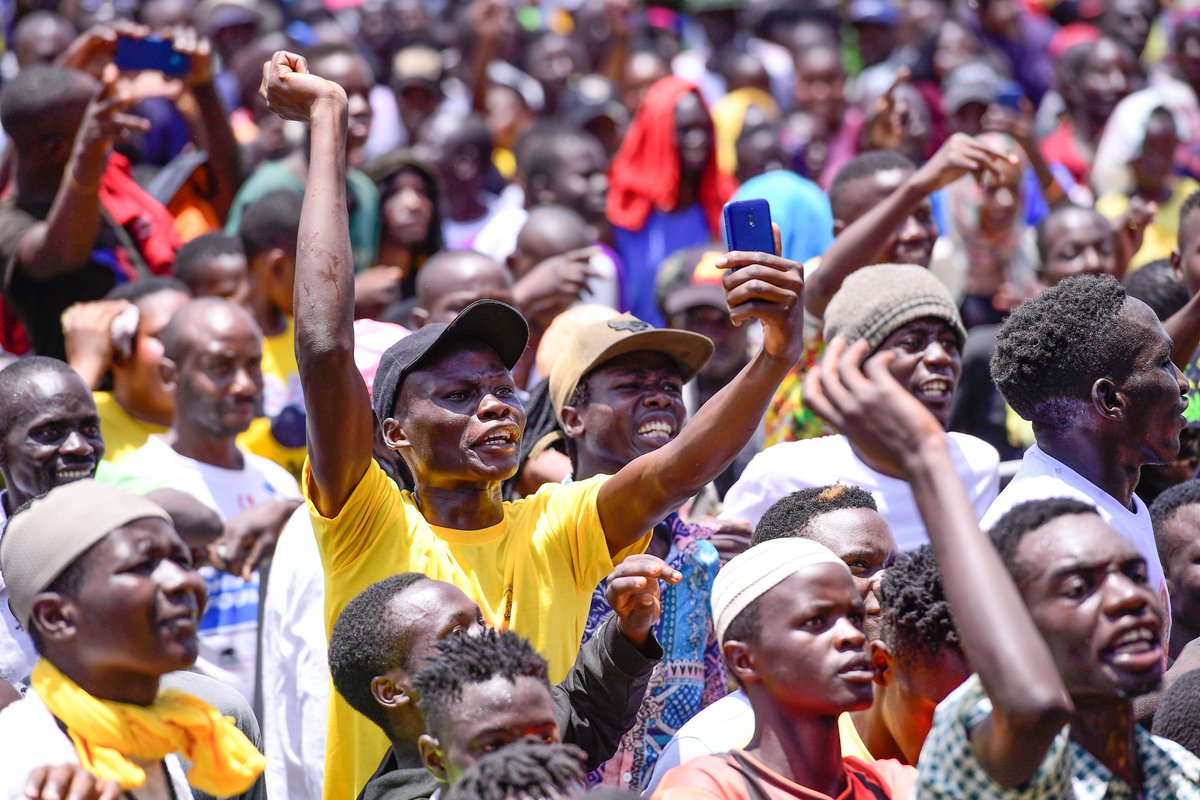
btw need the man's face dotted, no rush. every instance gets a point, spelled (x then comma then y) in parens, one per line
(810, 657)
(219, 384)
(1187, 258)
(484, 285)
(460, 420)
(862, 539)
(914, 689)
(928, 362)
(54, 438)
(1156, 389)
(1187, 50)
(1183, 566)
(729, 341)
(821, 86)
(1079, 242)
(1129, 21)
(351, 73)
(1154, 165)
(1085, 586)
(1108, 75)
(492, 715)
(138, 379)
(226, 276)
(139, 602)
(635, 406)
(912, 242)
(693, 134)
(580, 183)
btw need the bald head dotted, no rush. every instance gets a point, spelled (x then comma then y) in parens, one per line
(42, 102)
(452, 280)
(202, 320)
(19, 377)
(548, 231)
(39, 37)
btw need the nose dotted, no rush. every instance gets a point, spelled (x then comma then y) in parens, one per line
(410, 199)
(1180, 379)
(492, 407)
(77, 444)
(179, 581)
(1091, 259)
(937, 354)
(246, 383)
(358, 106)
(911, 230)
(1122, 596)
(848, 636)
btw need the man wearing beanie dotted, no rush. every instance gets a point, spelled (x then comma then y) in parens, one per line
(903, 310)
(789, 619)
(106, 589)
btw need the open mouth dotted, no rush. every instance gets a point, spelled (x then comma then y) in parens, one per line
(1136, 649)
(659, 431)
(74, 472)
(502, 439)
(858, 671)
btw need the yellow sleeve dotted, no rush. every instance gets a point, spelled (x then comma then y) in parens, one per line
(1112, 205)
(366, 516)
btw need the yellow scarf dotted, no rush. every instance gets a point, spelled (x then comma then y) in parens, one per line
(108, 734)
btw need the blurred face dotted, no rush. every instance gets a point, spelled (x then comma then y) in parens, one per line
(635, 406)
(821, 86)
(1187, 50)
(955, 46)
(1085, 586)
(580, 183)
(54, 438)
(554, 59)
(226, 276)
(138, 380)
(1129, 21)
(1109, 74)
(460, 419)
(875, 42)
(915, 688)
(1187, 258)
(693, 135)
(641, 71)
(492, 715)
(408, 209)
(810, 657)
(1157, 160)
(729, 341)
(139, 602)
(418, 101)
(862, 539)
(1183, 564)
(507, 115)
(353, 75)
(1079, 242)
(1002, 204)
(219, 384)
(912, 242)
(1156, 389)
(1000, 18)
(928, 362)
(482, 285)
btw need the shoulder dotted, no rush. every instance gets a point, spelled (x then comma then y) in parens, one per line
(706, 772)
(977, 454)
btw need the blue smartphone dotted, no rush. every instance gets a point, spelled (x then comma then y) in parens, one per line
(154, 53)
(1009, 96)
(748, 226)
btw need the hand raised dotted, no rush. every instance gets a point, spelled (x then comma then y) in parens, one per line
(632, 591)
(963, 155)
(292, 92)
(768, 288)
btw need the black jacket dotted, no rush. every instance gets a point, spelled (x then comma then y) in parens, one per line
(597, 704)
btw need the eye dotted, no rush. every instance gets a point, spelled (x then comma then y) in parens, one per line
(1076, 588)
(673, 387)
(505, 391)
(858, 566)
(813, 623)
(456, 396)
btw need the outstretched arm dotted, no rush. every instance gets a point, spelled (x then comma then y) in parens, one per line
(757, 286)
(861, 243)
(340, 422)
(999, 638)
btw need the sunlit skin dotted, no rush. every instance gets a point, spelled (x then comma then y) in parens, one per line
(1079, 242)
(927, 362)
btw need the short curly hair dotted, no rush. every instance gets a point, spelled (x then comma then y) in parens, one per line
(790, 515)
(1024, 518)
(367, 641)
(915, 620)
(465, 660)
(1055, 346)
(1163, 510)
(526, 770)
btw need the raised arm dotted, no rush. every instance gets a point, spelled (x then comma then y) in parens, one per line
(862, 242)
(210, 121)
(999, 638)
(757, 286)
(340, 421)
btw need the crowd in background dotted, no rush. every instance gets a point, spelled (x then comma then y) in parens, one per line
(385, 414)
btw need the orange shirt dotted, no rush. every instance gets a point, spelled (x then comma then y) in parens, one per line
(719, 778)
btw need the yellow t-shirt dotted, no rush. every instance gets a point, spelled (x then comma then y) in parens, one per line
(279, 434)
(1162, 233)
(122, 432)
(533, 572)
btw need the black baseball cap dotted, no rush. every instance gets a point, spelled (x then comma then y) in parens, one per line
(496, 324)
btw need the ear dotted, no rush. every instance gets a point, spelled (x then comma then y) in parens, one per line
(539, 190)
(278, 263)
(388, 692)
(432, 757)
(740, 661)
(572, 422)
(54, 617)
(419, 317)
(1108, 400)
(881, 662)
(393, 434)
(1176, 265)
(169, 373)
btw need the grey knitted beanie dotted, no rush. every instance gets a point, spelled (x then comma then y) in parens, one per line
(875, 301)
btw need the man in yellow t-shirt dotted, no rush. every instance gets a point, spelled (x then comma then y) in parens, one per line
(447, 405)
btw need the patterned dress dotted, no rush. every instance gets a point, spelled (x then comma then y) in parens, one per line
(691, 674)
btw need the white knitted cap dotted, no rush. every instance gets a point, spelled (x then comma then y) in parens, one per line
(758, 570)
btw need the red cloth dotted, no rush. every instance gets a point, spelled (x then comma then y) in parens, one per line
(645, 172)
(1060, 147)
(150, 224)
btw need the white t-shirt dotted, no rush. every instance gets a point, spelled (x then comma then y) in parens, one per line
(295, 665)
(1041, 477)
(229, 627)
(17, 655)
(727, 724)
(790, 466)
(30, 738)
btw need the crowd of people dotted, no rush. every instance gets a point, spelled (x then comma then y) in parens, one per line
(385, 413)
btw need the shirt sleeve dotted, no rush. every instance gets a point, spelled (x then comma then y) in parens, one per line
(575, 519)
(365, 516)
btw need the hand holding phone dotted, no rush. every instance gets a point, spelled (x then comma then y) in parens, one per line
(151, 53)
(748, 226)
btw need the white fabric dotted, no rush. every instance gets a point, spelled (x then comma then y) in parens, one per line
(1041, 477)
(295, 665)
(498, 238)
(790, 466)
(727, 724)
(229, 652)
(30, 738)
(17, 655)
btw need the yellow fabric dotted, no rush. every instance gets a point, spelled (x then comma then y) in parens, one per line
(122, 433)
(852, 743)
(1020, 431)
(729, 115)
(533, 572)
(1162, 233)
(281, 388)
(108, 734)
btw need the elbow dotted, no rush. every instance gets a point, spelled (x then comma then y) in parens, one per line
(322, 349)
(1045, 709)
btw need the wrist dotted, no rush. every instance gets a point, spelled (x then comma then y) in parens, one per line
(930, 456)
(635, 636)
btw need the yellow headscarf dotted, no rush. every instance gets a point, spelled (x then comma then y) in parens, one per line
(729, 115)
(108, 734)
